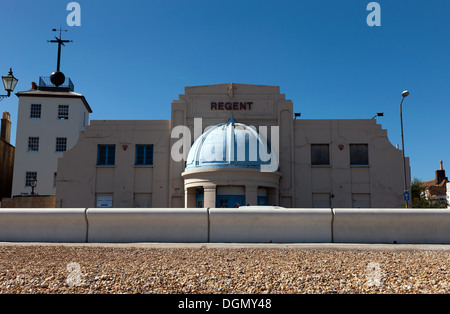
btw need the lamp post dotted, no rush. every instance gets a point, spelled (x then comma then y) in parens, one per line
(33, 183)
(404, 95)
(379, 114)
(9, 82)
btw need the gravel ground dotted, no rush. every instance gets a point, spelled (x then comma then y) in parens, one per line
(30, 269)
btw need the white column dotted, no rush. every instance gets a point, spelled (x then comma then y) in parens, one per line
(210, 196)
(251, 195)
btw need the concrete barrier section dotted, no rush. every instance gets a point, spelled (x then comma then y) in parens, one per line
(406, 226)
(238, 225)
(277, 225)
(43, 225)
(127, 225)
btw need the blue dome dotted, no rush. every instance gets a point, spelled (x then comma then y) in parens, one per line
(229, 145)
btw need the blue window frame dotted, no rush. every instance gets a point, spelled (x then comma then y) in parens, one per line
(144, 155)
(106, 155)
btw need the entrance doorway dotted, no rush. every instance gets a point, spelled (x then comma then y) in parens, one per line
(230, 196)
(230, 201)
(199, 197)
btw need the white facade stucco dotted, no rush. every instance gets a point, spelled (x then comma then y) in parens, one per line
(321, 163)
(45, 126)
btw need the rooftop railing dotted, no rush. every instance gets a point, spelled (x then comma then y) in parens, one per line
(46, 85)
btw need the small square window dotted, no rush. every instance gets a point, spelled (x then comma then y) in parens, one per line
(144, 155)
(35, 112)
(106, 155)
(61, 144)
(33, 144)
(28, 177)
(359, 154)
(320, 154)
(63, 112)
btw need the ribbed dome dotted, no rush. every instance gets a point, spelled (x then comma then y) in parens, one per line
(229, 145)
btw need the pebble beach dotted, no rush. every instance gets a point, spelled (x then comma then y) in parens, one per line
(65, 269)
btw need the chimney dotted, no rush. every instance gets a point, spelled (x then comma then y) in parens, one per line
(440, 174)
(5, 131)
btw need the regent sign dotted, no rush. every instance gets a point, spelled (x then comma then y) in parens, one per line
(231, 105)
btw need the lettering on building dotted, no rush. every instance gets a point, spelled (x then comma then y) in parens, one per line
(235, 106)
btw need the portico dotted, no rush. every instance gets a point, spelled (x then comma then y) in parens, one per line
(253, 186)
(224, 168)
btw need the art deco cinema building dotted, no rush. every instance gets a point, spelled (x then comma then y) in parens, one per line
(231, 145)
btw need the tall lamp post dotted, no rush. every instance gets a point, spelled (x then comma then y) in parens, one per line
(9, 82)
(405, 195)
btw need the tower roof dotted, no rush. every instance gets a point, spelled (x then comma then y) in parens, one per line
(58, 94)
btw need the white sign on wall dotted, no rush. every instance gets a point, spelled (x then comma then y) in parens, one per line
(104, 201)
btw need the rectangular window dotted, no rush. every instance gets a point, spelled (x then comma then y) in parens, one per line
(61, 144)
(360, 200)
(63, 112)
(54, 179)
(144, 155)
(106, 155)
(359, 154)
(33, 144)
(142, 200)
(321, 200)
(28, 177)
(35, 112)
(320, 154)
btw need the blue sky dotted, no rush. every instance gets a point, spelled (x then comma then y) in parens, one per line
(132, 58)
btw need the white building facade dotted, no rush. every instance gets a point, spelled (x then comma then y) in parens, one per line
(49, 122)
(231, 145)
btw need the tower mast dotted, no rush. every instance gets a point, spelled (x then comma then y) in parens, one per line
(58, 78)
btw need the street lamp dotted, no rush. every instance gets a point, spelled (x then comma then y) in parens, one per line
(379, 114)
(9, 82)
(405, 195)
(33, 183)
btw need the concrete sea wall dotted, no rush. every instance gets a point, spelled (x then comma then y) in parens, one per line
(222, 225)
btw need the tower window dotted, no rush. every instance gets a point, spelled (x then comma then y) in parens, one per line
(33, 144)
(35, 112)
(28, 177)
(63, 112)
(61, 144)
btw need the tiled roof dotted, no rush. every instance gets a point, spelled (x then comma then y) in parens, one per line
(437, 191)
